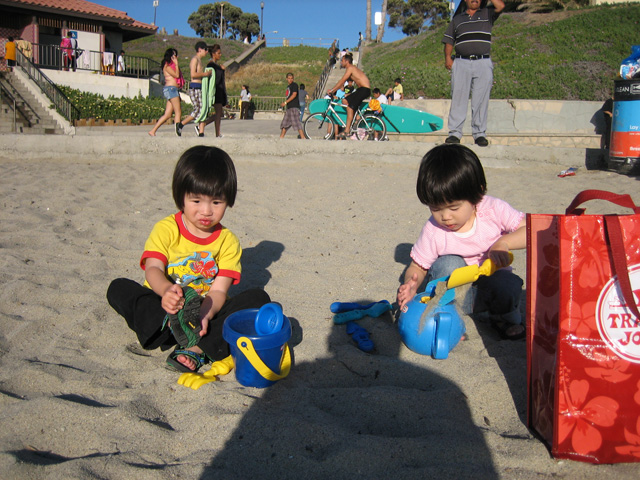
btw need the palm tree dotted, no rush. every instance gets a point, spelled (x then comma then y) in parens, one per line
(384, 19)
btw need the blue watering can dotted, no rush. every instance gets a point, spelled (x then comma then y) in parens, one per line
(437, 333)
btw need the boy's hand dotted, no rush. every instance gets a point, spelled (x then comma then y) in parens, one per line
(173, 299)
(407, 291)
(206, 314)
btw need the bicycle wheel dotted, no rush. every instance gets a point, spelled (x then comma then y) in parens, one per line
(318, 127)
(370, 127)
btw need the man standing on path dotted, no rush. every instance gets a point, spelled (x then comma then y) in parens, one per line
(292, 105)
(195, 89)
(472, 70)
(352, 101)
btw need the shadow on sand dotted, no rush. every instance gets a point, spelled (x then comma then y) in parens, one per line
(354, 415)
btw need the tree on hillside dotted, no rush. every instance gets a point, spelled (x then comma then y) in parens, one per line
(221, 19)
(246, 26)
(411, 15)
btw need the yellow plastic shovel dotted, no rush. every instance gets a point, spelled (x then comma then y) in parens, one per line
(196, 380)
(470, 274)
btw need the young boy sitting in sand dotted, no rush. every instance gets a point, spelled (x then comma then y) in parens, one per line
(467, 227)
(190, 261)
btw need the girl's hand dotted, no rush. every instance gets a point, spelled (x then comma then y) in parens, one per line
(499, 253)
(407, 291)
(173, 299)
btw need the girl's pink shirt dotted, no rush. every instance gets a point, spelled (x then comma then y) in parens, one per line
(494, 218)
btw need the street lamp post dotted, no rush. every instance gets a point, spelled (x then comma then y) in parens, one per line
(155, 7)
(221, 16)
(261, 16)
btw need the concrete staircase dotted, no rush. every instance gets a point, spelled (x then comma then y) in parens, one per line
(31, 116)
(337, 73)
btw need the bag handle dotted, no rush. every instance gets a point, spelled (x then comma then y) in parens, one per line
(619, 258)
(586, 195)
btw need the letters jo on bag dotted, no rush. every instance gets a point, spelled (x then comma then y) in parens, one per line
(583, 331)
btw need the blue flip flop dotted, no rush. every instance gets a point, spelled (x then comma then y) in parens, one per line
(361, 337)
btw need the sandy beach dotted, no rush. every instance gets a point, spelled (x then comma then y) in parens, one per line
(80, 399)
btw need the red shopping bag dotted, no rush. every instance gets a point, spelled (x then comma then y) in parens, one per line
(583, 331)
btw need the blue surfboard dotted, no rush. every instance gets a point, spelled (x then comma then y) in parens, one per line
(397, 119)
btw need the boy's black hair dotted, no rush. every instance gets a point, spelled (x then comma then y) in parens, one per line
(376, 90)
(200, 45)
(349, 58)
(450, 173)
(203, 170)
(301, 86)
(398, 80)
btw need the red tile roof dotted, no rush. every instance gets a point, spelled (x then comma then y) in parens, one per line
(83, 8)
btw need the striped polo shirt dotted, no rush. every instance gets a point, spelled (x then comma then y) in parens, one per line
(471, 35)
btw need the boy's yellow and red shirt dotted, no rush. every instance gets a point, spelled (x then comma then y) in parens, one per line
(191, 260)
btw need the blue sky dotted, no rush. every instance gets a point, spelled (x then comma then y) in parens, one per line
(308, 19)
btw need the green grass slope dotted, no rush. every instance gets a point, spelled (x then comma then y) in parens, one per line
(154, 46)
(570, 55)
(265, 73)
(573, 55)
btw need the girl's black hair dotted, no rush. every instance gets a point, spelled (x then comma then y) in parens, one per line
(450, 173)
(203, 170)
(167, 56)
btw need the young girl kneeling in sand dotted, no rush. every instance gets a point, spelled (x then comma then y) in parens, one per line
(467, 227)
(190, 261)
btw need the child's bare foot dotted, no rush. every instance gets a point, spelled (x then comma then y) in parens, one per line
(151, 134)
(188, 361)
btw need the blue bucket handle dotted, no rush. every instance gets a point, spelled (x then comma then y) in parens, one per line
(245, 345)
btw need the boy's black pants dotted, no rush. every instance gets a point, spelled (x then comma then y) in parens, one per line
(141, 308)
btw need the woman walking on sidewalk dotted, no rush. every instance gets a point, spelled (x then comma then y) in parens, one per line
(173, 81)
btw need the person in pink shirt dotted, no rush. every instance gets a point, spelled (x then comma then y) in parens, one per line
(65, 48)
(467, 227)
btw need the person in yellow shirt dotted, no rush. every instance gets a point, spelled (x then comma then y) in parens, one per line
(10, 53)
(395, 93)
(190, 261)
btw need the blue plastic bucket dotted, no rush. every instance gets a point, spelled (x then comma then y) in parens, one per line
(265, 368)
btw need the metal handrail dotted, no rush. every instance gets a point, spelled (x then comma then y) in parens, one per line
(263, 104)
(298, 41)
(59, 99)
(3, 90)
(322, 81)
(50, 57)
(16, 105)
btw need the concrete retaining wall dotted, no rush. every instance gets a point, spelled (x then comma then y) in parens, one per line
(517, 117)
(233, 65)
(104, 85)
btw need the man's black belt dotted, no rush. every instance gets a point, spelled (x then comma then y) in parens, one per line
(472, 57)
